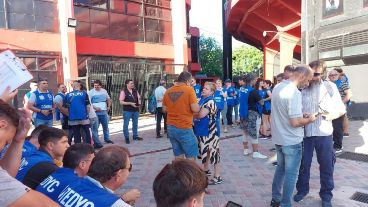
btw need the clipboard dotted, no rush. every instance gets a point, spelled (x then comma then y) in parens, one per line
(13, 72)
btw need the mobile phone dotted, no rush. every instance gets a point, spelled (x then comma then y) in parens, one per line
(232, 204)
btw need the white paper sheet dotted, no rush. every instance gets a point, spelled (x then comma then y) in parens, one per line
(13, 72)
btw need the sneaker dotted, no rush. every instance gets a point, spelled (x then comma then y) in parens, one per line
(215, 180)
(274, 203)
(208, 172)
(346, 134)
(97, 146)
(338, 150)
(298, 197)
(127, 141)
(274, 163)
(159, 136)
(138, 138)
(109, 142)
(259, 155)
(225, 130)
(246, 152)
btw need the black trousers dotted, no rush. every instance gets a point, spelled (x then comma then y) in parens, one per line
(77, 133)
(229, 115)
(338, 132)
(159, 116)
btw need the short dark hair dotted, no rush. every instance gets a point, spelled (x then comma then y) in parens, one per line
(50, 134)
(97, 82)
(107, 162)
(36, 132)
(178, 182)
(127, 81)
(42, 79)
(303, 69)
(184, 76)
(289, 68)
(280, 75)
(8, 112)
(76, 153)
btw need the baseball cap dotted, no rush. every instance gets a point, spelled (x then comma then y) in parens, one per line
(228, 80)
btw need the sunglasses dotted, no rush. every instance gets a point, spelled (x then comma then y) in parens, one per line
(316, 74)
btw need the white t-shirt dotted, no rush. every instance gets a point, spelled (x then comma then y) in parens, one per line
(99, 99)
(10, 188)
(159, 95)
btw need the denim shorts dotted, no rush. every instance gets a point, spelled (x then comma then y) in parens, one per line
(183, 141)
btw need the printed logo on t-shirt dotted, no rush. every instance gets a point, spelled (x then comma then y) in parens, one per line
(174, 96)
(42, 97)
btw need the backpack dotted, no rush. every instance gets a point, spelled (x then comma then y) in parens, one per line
(152, 104)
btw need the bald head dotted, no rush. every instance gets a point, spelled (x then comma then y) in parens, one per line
(76, 85)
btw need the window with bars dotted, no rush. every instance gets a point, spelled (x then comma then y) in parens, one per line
(33, 15)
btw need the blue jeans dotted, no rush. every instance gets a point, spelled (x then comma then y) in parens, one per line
(223, 114)
(286, 173)
(127, 115)
(103, 118)
(326, 160)
(38, 122)
(94, 130)
(183, 141)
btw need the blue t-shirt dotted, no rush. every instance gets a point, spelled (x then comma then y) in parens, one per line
(197, 89)
(244, 92)
(262, 94)
(44, 101)
(69, 190)
(236, 99)
(31, 160)
(77, 102)
(231, 95)
(219, 99)
(55, 183)
(28, 148)
(267, 104)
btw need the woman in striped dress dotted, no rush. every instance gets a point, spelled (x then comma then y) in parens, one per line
(206, 131)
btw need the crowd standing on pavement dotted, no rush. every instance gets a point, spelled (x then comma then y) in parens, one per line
(303, 112)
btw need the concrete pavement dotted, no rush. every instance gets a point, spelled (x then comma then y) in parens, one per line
(247, 181)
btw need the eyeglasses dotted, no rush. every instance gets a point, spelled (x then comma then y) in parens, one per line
(332, 75)
(316, 74)
(130, 167)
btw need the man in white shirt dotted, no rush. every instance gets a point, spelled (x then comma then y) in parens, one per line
(159, 95)
(101, 102)
(323, 99)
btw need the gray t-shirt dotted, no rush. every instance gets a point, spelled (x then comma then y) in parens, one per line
(10, 188)
(286, 104)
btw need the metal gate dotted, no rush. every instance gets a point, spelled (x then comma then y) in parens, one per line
(146, 77)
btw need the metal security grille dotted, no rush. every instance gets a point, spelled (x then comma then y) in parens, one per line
(112, 74)
(353, 156)
(361, 197)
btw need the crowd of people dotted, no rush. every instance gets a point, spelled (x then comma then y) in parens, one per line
(303, 112)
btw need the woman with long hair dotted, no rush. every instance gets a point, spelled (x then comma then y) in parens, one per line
(266, 112)
(206, 131)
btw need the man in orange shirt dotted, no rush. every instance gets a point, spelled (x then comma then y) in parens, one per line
(180, 103)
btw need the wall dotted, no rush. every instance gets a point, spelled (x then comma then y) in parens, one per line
(317, 29)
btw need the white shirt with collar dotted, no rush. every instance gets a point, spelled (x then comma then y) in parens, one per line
(323, 95)
(159, 95)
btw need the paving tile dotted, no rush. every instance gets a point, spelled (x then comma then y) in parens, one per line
(247, 181)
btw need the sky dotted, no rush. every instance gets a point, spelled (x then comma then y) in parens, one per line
(207, 16)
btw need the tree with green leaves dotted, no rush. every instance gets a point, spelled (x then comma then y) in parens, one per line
(247, 59)
(210, 55)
